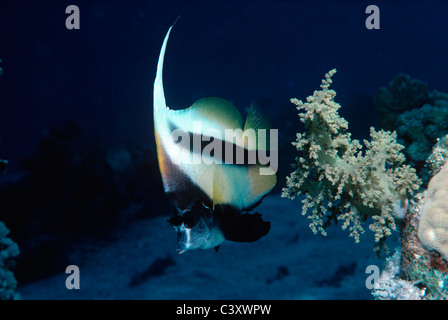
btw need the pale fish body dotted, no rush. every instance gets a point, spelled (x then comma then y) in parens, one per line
(210, 196)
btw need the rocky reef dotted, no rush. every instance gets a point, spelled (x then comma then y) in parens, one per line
(419, 116)
(8, 252)
(339, 181)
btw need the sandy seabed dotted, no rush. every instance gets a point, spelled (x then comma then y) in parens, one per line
(289, 263)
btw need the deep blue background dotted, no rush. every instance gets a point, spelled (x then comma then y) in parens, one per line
(101, 77)
(245, 51)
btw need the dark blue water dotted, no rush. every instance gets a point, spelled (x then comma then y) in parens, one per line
(72, 100)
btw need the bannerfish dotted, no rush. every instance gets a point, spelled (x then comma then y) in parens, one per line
(211, 197)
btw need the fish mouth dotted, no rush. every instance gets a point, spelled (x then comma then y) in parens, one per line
(180, 251)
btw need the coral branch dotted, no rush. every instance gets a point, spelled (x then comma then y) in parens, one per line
(339, 181)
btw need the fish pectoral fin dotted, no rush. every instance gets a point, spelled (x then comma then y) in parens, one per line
(261, 185)
(241, 187)
(256, 120)
(217, 248)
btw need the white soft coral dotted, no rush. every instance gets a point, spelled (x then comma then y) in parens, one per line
(341, 182)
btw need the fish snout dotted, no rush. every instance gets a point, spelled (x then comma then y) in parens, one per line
(183, 239)
(181, 248)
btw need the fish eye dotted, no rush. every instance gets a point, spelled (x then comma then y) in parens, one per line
(190, 220)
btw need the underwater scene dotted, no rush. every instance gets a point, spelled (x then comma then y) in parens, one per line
(223, 150)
